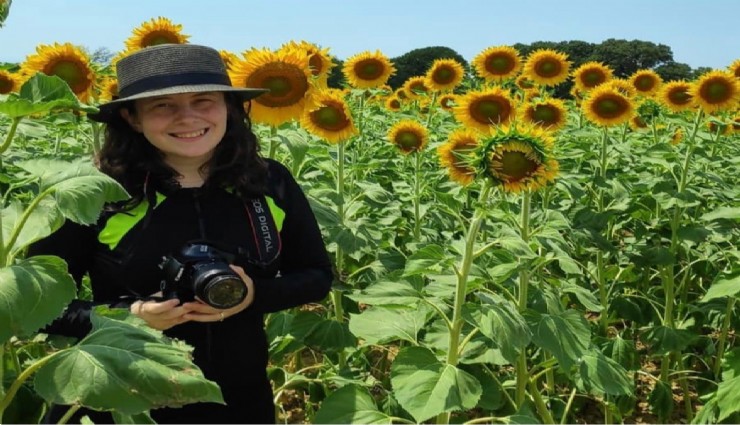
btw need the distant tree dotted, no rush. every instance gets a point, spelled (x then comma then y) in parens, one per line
(336, 76)
(698, 72)
(101, 56)
(626, 57)
(674, 71)
(418, 61)
(4, 10)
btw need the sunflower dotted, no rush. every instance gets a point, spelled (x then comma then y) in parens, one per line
(319, 60)
(716, 91)
(447, 101)
(228, 57)
(67, 62)
(408, 136)
(547, 67)
(401, 93)
(328, 117)
(675, 96)
(497, 63)
(578, 95)
(155, 31)
(415, 86)
(444, 75)
(718, 128)
(637, 123)
(455, 155)
(518, 158)
(368, 70)
(607, 106)
(622, 86)
(393, 103)
(549, 114)
(734, 68)
(525, 83)
(736, 124)
(108, 90)
(9, 82)
(677, 136)
(591, 74)
(481, 109)
(646, 82)
(286, 75)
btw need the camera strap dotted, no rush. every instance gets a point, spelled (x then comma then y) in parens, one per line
(264, 229)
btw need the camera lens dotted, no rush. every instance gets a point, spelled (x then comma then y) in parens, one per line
(223, 290)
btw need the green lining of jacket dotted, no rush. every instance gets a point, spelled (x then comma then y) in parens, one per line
(119, 224)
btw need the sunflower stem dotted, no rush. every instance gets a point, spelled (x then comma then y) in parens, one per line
(417, 195)
(96, 137)
(462, 285)
(723, 336)
(337, 293)
(10, 135)
(600, 261)
(522, 376)
(273, 142)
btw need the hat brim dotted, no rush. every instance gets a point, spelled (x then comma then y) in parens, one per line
(106, 110)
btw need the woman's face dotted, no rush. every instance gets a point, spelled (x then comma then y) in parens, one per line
(185, 127)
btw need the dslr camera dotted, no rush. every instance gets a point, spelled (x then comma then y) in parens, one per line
(201, 270)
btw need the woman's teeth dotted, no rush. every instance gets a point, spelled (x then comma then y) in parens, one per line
(191, 134)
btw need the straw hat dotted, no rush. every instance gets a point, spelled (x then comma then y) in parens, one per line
(170, 69)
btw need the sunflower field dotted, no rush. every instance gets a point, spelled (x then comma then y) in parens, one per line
(501, 255)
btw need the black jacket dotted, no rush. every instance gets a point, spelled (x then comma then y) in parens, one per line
(233, 352)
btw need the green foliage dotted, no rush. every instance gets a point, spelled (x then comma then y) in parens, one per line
(418, 61)
(4, 11)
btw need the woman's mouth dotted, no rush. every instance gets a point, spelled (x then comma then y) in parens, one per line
(190, 135)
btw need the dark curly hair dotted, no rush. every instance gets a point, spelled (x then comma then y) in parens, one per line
(131, 160)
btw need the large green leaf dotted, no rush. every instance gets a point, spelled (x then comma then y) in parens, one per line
(386, 292)
(41, 94)
(499, 320)
(729, 213)
(33, 292)
(43, 221)
(566, 335)
(604, 375)
(124, 366)
(430, 258)
(426, 387)
(723, 287)
(664, 340)
(330, 335)
(378, 325)
(350, 404)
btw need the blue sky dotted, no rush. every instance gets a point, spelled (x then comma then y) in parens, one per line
(700, 33)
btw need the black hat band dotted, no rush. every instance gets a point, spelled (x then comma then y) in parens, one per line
(157, 82)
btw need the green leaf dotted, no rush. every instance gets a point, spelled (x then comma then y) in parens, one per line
(33, 292)
(330, 335)
(584, 296)
(664, 340)
(425, 260)
(729, 213)
(379, 325)
(41, 94)
(43, 221)
(661, 400)
(723, 287)
(122, 366)
(604, 375)
(499, 320)
(425, 387)
(350, 404)
(566, 335)
(386, 292)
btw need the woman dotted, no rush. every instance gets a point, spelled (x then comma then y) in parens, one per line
(180, 142)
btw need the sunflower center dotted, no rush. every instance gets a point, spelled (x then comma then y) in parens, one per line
(645, 83)
(316, 64)
(491, 110)
(548, 68)
(287, 84)
(69, 72)
(444, 75)
(679, 97)
(6, 85)
(418, 87)
(715, 91)
(593, 78)
(408, 141)
(159, 37)
(610, 106)
(545, 114)
(499, 65)
(329, 117)
(369, 69)
(513, 166)
(394, 104)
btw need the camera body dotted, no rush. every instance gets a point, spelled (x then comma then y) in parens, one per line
(201, 270)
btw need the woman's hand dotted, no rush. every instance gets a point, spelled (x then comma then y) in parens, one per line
(199, 311)
(161, 315)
